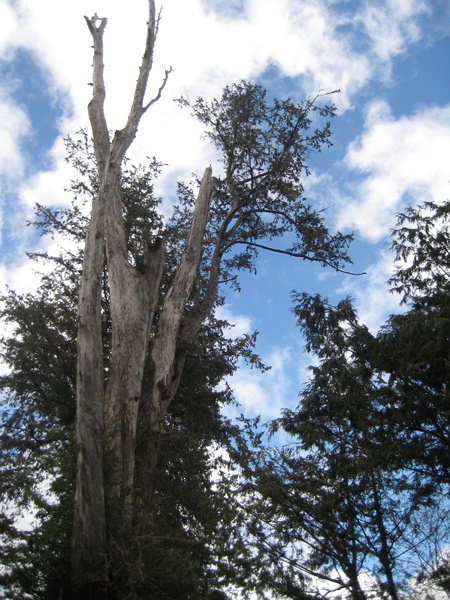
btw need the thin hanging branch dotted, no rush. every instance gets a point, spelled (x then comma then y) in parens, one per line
(302, 255)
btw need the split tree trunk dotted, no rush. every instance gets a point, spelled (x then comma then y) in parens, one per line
(107, 421)
(133, 299)
(167, 365)
(165, 361)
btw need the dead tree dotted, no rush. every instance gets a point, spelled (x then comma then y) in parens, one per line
(112, 413)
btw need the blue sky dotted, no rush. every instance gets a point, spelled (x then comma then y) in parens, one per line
(389, 58)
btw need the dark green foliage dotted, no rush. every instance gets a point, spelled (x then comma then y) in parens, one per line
(264, 147)
(415, 346)
(363, 488)
(186, 546)
(420, 243)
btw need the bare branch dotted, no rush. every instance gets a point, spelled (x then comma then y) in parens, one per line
(303, 255)
(95, 107)
(137, 107)
(158, 95)
(201, 310)
(92, 24)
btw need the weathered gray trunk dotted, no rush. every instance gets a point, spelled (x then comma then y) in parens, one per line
(89, 535)
(167, 369)
(168, 350)
(107, 421)
(89, 527)
(133, 298)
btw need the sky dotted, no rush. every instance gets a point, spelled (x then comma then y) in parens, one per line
(391, 138)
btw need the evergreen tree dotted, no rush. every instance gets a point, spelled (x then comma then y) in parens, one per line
(187, 545)
(145, 293)
(258, 199)
(358, 491)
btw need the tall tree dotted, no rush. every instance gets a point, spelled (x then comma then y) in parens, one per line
(133, 298)
(415, 346)
(328, 495)
(260, 197)
(364, 486)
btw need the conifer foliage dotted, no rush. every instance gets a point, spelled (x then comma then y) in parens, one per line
(359, 500)
(187, 522)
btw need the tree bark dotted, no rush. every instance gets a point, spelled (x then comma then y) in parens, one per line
(89, 536)
(167, 370)
(133, 297)
(165, 361)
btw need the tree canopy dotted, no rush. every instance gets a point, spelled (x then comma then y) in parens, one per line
(360, 497)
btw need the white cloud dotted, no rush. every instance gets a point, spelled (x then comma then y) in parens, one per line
(43, 187)
(14, 126)
(19, 277)
(402, 160)
(302, 40)
(391, 25)
(9, 26)
(240, 324)
(47, 187)
(206, 49)
(266, 394)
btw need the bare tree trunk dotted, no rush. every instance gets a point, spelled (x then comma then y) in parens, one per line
(167, 370)
(107, 421)
(88, 544)
(133, 298)
(89, 535)
(166, 360)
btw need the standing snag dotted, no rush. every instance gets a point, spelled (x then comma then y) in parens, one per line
(133, 299)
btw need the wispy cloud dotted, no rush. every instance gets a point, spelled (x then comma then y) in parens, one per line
(399, 161)
(392, 25)
(14, 126)
(266, 394)
(10, 29)
(48, 187)
(19, 277)
(239, 324)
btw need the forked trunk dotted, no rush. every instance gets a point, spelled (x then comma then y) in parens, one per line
(107, 422)
(166, 359)
(133, 298)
